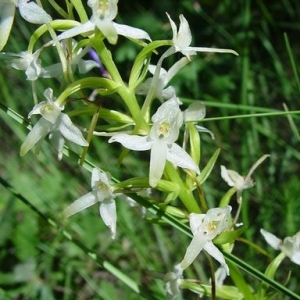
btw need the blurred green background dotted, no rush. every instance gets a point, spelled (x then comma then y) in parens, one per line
(38, 262)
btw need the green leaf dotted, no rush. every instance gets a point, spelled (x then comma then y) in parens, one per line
(208, 168)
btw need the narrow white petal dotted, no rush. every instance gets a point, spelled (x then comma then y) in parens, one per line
(108, 214)
(214, 50)
(180, 158)
(80, 204)
(176, 68)
(271, 239)
(157, 161)
(70, 131)
(77, 30)
(173, 26)
(7, 14)
(33, 13)
(132, 142)
(131, 32)
(38, 132)
(203, 129)
(212, 250)
(196, 246)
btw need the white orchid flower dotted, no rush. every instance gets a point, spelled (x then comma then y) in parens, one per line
(161, 92)
(102, 192)
(174, 280)
(290, 246)
(205, 227)
(238, 181)
(161, 141)
(29, 11)
(75, 59)
(103, 13)
(53, 122)
(28, 62)
(182, 39)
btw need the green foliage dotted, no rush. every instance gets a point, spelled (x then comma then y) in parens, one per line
(42, 259)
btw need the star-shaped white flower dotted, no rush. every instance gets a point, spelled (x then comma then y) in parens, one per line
(205, 227)
(173, 282)
(103, 14)
(290, 246)
(161, 92)
(238, 181)
(182, 39)
(102, 192)
(52, 122)
(28, 62)
(29, 11)
(161, 141)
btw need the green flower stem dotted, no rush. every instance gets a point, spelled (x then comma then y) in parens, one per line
(185, 195)
(127, 95)
(80, 10)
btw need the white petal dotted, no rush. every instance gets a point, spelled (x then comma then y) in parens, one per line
(85, 66)
(167, 93)
(58, 143)
(271, 239)
(144, 87)
(33, 13)
(7, 14)
(157, 161)
(131, 32)
(109, 215)
(195, 111)
(176, 67)
(229, 176)
(212, 250)
(80, 204)
(173, 26)
(196, 246)
(133, 142)
(70, 131)
(38, 132)
(96, 176)
(37, 109)
(180, 158)
(214, 50)
(220, 276)
(203, 129)
(52, 71)
(77, 30)
(184, 36)
(196, 221)
(107, 28)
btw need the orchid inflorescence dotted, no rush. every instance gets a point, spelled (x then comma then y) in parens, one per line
(156, 128)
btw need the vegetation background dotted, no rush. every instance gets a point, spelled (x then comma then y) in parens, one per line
(37, 261)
